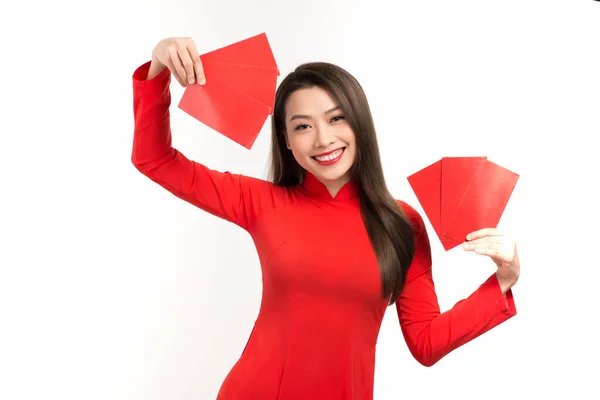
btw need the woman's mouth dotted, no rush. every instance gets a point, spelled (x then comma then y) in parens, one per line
(330, 158)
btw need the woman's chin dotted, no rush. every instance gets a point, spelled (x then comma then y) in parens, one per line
(331, 174)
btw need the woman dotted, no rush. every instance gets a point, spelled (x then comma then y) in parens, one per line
(335, 247)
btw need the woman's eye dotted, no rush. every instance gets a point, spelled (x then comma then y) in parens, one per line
(301, 127)
(337, 118)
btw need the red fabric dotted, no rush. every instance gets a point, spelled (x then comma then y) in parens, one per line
(316, 332)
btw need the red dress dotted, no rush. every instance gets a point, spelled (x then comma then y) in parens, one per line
(321, 310)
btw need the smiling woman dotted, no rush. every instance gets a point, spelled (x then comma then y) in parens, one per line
(322, 126)
(319, 136)
(325, 290)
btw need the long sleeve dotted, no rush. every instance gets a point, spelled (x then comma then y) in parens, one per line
(430, 334)
(233, 197)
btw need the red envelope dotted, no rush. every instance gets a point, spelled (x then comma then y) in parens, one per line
(239, 93)
(427, 184)
(456, 174)
(252, 51)
(227, 110)
(484, 200)
(460, 195)
(259, 82)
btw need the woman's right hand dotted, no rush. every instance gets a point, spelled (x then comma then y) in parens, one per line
(181, 57)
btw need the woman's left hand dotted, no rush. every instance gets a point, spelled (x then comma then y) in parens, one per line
(501, 249)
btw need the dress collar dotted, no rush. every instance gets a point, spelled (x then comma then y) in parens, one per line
(316, 189)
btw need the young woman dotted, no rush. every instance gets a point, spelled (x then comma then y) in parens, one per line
(336, 249)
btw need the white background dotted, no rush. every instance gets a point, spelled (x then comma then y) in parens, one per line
(112, 288)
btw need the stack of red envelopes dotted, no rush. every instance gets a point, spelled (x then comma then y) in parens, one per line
(462, 194)
(239, 93)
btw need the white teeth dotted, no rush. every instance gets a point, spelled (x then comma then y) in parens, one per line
(331, 156)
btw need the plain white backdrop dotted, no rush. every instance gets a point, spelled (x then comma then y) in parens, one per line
(112, 288)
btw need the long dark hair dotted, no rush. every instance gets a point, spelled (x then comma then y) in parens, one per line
(388, 227)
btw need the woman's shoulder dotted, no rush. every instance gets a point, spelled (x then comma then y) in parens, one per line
(408, 209)
(411, 214)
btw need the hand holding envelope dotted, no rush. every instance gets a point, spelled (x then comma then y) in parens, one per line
(464, 199)
(239, 92)
(461, 195)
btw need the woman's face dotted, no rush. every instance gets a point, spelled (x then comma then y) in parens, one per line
(319, 136)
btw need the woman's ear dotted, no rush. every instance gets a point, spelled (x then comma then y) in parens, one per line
(287, 142)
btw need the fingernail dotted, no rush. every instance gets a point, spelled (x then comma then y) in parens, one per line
(202, 80)
(191, 81)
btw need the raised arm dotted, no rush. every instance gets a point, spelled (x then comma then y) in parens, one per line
(233, 197)
(430, 334)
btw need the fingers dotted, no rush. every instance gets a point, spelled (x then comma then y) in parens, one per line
(198, 69)
(169, 65)
(488, 239)
(176, 66)
(484, 244)
(188, 64)
(483, 232)
(490, 252)
(182, 59)
(497, 254)
(492, 242)
(497, 247)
